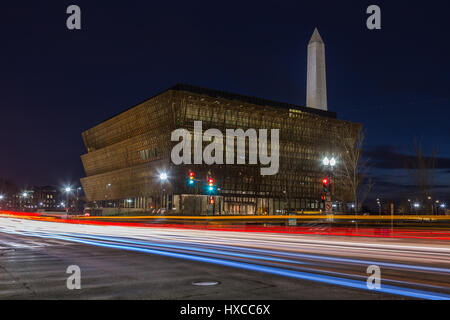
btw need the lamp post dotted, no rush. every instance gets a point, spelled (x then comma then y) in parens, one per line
(329, 164)
(67, 190)
(443, 206)
(108, 185)
(416, 206)
(129, 205)
(78, 196)
(23, 196)
(431, 205)
(163, 178)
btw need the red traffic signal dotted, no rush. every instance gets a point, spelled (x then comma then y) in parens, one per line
(191, 178)
(210, 182)
(325, 184)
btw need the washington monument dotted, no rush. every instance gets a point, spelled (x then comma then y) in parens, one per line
(316, 84)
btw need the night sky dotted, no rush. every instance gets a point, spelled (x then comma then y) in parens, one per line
(56, 83)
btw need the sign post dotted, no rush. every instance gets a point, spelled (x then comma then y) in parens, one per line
(328, 207)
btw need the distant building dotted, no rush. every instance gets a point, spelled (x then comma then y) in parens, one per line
(33, 198)
(47, 197)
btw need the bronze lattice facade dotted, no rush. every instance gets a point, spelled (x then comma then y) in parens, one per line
(127, 153)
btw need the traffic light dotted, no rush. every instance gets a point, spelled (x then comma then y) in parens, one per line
(325, 184)
(211, 200)
(210, 184)
(191, 180)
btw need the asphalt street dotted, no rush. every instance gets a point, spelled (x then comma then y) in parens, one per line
(163, 263)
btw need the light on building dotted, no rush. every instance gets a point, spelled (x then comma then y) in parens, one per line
(163, 176)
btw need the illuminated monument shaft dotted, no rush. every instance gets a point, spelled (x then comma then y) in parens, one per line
(316, 86)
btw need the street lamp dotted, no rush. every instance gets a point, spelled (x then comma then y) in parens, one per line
(23, 196)
(163, 177)
(76, 204)
(329, 162)
(67, 190)
(332, 162)
(416, 206)
(108, 185)
(379, 206)
(129, 201)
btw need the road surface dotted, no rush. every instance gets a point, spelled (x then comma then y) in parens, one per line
(163, 263)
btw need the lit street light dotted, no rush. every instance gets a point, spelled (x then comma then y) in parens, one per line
(129, 201)
(22, 199)
(108, 185)
(332, 162)
(329, 162)
(328, 193)
(67, 190)
(163, 176)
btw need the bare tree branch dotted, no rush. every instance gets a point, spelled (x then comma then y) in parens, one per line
(353, 169)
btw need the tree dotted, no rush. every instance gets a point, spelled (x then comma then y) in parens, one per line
(421, 170)
(352, 170)
(8, 187)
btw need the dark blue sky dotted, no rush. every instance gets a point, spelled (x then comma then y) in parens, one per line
(55, 83)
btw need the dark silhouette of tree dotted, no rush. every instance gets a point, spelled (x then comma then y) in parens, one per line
(352, 169)
(421, 170)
